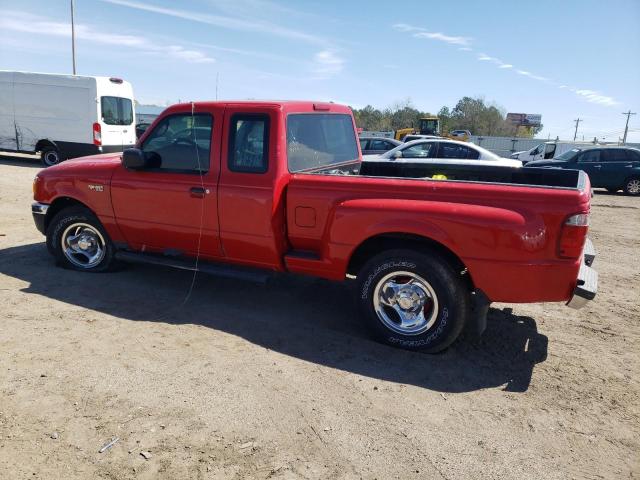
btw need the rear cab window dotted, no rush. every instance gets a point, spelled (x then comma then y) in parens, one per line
(316, 140)
(116, 110)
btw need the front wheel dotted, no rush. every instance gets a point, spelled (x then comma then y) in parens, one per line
(413, 300)
(632, 186)
(78, 241)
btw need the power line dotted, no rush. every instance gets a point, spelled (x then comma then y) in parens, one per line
(626, 127)
(575, 134)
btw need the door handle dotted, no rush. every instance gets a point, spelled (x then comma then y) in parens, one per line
(628, 166)
(597, 166)
(198, 192)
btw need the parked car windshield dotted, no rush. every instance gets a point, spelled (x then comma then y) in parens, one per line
(116, 110)
(568, 155)
(319, 139)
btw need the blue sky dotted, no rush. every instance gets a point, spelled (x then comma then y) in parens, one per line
(562, 59)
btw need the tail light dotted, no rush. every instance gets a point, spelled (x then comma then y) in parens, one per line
(573, 235)
(97, 134)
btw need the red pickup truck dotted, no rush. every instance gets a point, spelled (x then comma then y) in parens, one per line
(246, 189)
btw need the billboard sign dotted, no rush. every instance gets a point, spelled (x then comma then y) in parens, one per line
(524, 119)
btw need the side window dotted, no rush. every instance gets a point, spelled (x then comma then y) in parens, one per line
(549, 150)
(633, 155)
(249, 143)
(473, 154)
(363, 144)
(451, 150)
(180, 143)
(380, 145)
(422, 150)
(590, 156)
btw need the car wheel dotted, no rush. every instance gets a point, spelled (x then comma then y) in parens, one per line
(413, 301)
(632, 186)
(50, 156)
(79, 241)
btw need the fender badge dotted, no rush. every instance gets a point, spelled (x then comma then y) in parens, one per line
(96, 188)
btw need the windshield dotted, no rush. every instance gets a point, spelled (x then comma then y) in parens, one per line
(116, 110)
(569, 155)
(317, 140)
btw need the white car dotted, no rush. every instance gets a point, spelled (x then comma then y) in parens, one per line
(439, 151)
(461, 133)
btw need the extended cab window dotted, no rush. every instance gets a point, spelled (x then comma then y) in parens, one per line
(248, 143)
(319, 139)
(180, 143)
(116, 110)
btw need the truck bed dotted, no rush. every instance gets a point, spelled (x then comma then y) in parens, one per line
(539, 177)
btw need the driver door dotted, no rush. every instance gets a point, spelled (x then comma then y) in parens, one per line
(164, 208)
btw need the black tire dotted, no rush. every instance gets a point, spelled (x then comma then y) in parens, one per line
(612, 190)
(632, 186)
(451, 293)
(80, 222)
(50, 156)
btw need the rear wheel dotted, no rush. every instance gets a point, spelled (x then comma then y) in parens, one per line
(78, 241)
(411, 300)
(632, 186)
(50, 156)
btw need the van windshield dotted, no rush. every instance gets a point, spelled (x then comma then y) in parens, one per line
(318, 139)
(116, 110)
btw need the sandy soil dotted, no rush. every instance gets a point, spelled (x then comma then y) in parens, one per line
(282, 381)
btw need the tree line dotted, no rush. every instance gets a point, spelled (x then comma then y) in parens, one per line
(472, 114)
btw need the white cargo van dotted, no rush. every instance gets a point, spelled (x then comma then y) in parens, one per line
(65, 116)
(543, 151)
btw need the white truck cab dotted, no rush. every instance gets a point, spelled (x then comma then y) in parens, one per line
(543, 151)
(65, 116)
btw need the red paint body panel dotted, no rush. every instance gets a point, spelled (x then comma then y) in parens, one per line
(506, 235)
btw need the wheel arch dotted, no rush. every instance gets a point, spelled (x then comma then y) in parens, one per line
(43, 143)
(397, 240)
(60, 204)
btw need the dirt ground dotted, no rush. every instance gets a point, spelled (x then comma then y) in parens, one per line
(281, 381)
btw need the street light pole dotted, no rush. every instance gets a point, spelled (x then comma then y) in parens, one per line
(73, 40)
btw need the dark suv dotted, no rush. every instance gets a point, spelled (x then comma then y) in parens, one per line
(613, 168)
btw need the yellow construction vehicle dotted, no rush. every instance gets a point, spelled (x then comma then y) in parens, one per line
(427, 126)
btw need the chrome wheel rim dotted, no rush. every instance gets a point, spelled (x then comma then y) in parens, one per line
(633, 186)
(83, 245)
(51, 157)
(405, 303)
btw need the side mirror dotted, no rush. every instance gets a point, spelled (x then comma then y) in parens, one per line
(134, 159)
(397, 154)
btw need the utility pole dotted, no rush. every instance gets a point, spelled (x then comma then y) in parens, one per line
(626, 127)
(73, 40)
(577, 120)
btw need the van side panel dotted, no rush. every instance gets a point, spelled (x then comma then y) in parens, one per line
(7, 128)
(58, 113)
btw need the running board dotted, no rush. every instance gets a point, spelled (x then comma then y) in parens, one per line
(210, 268)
